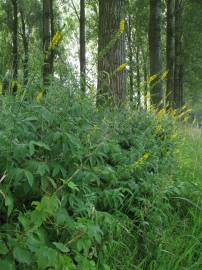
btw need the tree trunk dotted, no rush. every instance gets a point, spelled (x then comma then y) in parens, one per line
(46, 40)
(138, 76)
(15, 45)
(25, 40)
(130, 56)
(156, 90)
(145, 85)
(178, 73)
(52, 30)
(111, 53)
(145, 74)
(82, 46)
(170, 52)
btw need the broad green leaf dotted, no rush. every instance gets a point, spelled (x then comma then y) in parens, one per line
(47, 257)
(32, 145)
(48, 204)
(51, 180)
(7, 264)
(72, 186)
(65, 262)
(61, 247)
(62, 217)
(106, 267)
(42, 168)
(22, 255)
(9, 203)
(3, 248)
(31, 149)
(30, 177)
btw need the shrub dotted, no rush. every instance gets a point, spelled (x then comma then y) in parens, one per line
(80, 188)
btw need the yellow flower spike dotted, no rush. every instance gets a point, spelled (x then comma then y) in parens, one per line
(186, 119)
(189, 111)
(146, 156)
(141, 160)
(164, 75)
(174, 112)
(121, 67)
(158, 128)
(0, 88)
(39, 97)
(161, 113)
(91, 90)
(94, 129)
(55, 39)
(152, 78)
(121, 26)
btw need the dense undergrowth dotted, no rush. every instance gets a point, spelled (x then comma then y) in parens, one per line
(86, 189)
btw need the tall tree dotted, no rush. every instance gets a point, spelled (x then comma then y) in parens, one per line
(130, 56)
(178, 72)
(156, 91)
(170, 51)
(46, 40)
(25, 40)
(82, 20)
(52, 30)
(15, 44)
(138, 79)
(111, 52)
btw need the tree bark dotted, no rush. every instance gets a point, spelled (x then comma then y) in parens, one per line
(178, 72)
(138, 76)
(52, 30)
(111, 84)
(15, 45)
(46, 40)
(156, 91)
(82, 46)
(130, 56)
(25, 40)
(170, 52)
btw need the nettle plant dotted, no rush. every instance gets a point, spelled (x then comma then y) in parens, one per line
(77, 184)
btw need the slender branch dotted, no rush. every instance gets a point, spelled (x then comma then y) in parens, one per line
(75, 10)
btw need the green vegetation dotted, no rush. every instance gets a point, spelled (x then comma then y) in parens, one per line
(100, 167)
(89, 189)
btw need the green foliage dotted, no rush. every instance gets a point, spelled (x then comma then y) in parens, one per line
(78, 184)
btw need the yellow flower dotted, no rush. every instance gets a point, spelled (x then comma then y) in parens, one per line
(0, 88)
(152, 78)
(164, 75)
(94, 129)
(55, 39)
(121, 67)
(186, 119)
(146, 156)
(173, 112)
(121, 26)
(158, 128)
(161, 113)
(185, 114)
(91, 90)
(141, 160)
(189, 111)
(39, 97)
